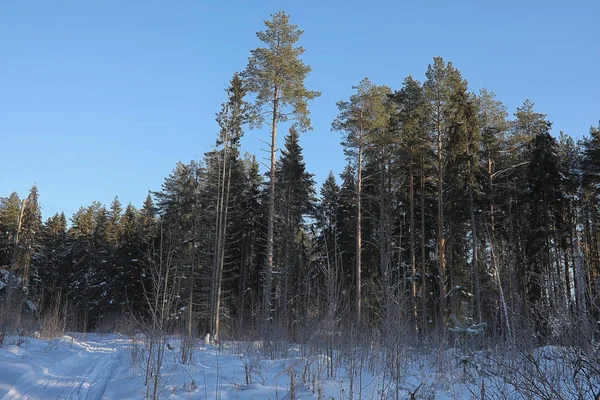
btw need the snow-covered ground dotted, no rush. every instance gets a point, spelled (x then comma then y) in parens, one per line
(97, 366)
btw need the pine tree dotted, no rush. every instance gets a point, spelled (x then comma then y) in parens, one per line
(516, 228)
(276, 75)
(590, 179)
(363, 115)
(414, 151)
(380, 156)
(437, 91)
(570, 160)
(493, 125)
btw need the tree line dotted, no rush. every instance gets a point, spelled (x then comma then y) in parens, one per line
(450, 215)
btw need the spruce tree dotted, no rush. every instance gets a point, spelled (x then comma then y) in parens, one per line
(114, 215)
(545, 200)
(147, 221)
(295, 196)
(326, 218)
(51, 263)
(464, 178)
(328, 256)
(347, 222)
(10, 209)
(249, 234)
(184, 210)
(233, 115)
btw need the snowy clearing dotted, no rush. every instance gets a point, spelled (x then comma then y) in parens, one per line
(100, 366)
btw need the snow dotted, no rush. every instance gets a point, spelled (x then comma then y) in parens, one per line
(112, 366)
(56, 369)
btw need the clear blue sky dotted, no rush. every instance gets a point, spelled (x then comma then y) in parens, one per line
(102, 98)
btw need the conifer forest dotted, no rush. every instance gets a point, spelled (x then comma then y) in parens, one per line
(455, 220)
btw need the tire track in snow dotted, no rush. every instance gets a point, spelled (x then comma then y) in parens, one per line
(82, 375)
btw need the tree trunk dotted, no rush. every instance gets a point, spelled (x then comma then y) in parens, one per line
(216, 247)
(475, 257)
(269, 272)
(383, 262)
(225, 210)
(359, 226)
(423, 251)
(223, 181)
(413, 260)
(286, 263)
(441, 239)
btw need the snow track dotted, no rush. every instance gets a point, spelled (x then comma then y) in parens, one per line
(79, 370)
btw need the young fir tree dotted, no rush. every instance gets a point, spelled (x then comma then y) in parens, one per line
(275, 75)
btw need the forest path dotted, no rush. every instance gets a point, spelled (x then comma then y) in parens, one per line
(80, 370)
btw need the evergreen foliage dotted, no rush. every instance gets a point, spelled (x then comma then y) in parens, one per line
(450, 215)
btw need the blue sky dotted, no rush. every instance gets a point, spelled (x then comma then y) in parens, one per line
(102, 98)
